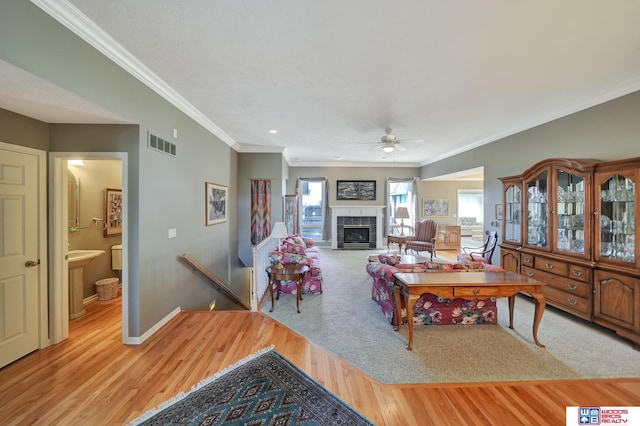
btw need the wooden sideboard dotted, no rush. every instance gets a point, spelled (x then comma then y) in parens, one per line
(448, 237)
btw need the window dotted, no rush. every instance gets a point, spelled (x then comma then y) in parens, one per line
(313, 211)
(401, 194)
(471, 204)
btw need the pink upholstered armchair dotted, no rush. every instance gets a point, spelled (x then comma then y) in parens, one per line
(424, 238)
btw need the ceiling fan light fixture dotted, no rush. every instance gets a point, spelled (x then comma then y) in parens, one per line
(388, 148)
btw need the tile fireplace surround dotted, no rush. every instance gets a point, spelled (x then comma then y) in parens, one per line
(359, 212)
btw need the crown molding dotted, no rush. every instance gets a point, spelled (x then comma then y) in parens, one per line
(75, 21)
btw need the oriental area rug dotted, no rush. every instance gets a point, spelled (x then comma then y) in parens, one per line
(262, 389)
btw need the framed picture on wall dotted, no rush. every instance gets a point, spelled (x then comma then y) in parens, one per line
(435, 207)
(361, 190)
(112, 212)
(215, 203)
(499, 212)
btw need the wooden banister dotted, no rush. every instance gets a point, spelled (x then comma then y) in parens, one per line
(215, 280)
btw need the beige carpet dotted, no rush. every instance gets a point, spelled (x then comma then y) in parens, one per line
(345, 321)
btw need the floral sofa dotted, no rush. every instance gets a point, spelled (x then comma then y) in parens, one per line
(431, 309)
(297, 250)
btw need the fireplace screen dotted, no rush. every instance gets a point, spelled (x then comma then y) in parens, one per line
(356, 236)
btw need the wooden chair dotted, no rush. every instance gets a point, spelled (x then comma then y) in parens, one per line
(424, 238)
(480, 254)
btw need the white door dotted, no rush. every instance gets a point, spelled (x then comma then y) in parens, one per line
(19, 263)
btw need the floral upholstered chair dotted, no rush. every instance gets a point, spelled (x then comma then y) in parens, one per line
(424, 238)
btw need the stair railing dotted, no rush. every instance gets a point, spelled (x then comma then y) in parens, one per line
(215, 280)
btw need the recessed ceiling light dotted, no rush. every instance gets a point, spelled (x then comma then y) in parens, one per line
(337, 158)
(273, 131)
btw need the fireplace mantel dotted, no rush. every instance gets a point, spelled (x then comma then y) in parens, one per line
(357, 211)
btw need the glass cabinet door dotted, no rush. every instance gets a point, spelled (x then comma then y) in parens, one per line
(512, 214)
(617, 219)
(537, 233)
(570, 209)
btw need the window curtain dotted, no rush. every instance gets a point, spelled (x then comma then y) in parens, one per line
(260, 210)
(411, 185)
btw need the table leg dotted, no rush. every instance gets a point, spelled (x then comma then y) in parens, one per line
(540, 305)
(410, 302)
(298, 294)
(512, 302)
(398, 302)
(271, 293)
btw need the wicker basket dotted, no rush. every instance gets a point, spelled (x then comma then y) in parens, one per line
(107, 288)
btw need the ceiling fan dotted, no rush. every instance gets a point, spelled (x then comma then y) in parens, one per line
(389, 142)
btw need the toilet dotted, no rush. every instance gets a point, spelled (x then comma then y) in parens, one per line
(116, 257)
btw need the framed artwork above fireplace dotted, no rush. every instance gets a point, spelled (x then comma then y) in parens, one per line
(360, 190)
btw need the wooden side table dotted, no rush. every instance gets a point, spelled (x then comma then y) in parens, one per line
(400, 239)
(288, 272)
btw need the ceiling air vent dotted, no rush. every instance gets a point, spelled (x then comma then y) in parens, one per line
(159, 144)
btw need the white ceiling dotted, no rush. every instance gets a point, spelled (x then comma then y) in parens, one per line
(331, 75)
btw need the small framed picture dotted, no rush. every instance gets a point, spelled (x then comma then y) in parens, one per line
(112, 212)
(499, 212)
(215, 203)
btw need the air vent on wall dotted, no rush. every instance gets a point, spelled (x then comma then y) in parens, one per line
(159, 144)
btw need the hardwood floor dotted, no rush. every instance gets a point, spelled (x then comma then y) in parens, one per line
(92, 379)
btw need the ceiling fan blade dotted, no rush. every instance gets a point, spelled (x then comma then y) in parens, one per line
(400, 148)
(410, 140)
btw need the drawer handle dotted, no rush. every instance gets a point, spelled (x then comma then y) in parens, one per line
(476, 291)
(549, 265)
(577, 273)
(531, 274)
(572, 302)
(527, 259)
(572, 286)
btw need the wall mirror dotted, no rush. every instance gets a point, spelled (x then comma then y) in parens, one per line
(74, 200)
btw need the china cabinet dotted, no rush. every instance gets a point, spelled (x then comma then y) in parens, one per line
(578, 234)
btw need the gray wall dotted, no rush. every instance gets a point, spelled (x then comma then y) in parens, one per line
(164, 192)
(333, 174)
(608, 131)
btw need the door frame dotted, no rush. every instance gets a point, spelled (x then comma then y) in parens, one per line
(43, 317)
(58, 240)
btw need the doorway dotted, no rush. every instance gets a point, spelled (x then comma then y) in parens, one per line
(59, 237)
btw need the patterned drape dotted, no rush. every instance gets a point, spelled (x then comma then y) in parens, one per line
(260, 210)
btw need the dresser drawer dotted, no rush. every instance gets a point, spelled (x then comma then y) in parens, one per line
(573, 287)
(534, 273)
(527, 259)
(551, 265)
(580, 273)
(569, 302)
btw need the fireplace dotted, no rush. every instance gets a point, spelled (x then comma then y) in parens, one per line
(356, 237)
(370, 218)
(356, 233)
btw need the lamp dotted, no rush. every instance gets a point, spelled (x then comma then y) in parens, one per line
(402, 213)
(388, 149)
(279, 231)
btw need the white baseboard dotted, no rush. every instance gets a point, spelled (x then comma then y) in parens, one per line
(152, 330)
